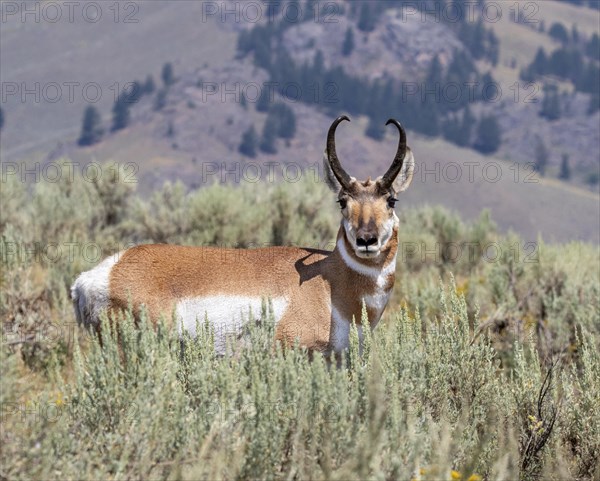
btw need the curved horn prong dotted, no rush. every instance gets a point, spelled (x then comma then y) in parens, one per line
(340, 174)
(388, 178)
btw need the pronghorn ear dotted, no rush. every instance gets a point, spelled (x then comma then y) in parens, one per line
(404, 177)
(328, 176)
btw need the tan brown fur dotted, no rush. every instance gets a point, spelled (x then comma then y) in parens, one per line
(311, 280)
(318, 293)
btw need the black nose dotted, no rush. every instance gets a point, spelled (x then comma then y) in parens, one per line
(366, 241)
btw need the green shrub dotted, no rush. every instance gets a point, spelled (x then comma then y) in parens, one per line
(448, 385)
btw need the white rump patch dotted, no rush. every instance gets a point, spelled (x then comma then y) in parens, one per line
(90, 292)
(227, 315)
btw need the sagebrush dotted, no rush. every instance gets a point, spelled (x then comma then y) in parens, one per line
(490, 373)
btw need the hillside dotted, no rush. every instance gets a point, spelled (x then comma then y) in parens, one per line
(105, 52)
(531, 205)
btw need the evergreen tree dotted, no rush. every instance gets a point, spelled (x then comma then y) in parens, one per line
(489, 136)
(429, 118)
(284, 68)
(134, 92)
(167, 74)
(375, 129)
(592, 48)
(366, 19)
(262, 55)
(318, 65)
(541, 156)
(565, 169)
(484, 92)
(589, 81)
(1, 118)
(451, 129)
(493, 53)
(170, 129)
(460, 70)
(526, 74)
(249, 142)
(551, 103)
(161, 99)
(120, 111)
(560, 63)
(263, 102)
(434, 74)
(244, 43)
(348, 45)
(353, 9)
(477, 42)
(284, 117)
(540, 62)
(574, 34)
(149, 86)
(375, 99)
(592, 179)
(91, 128)
(243, 101)
(576, 67)
(559, 32)
(388, 93)
(269, 136)
(466, 128)
(594, 104)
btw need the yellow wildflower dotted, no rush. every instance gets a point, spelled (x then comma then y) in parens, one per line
(455, 474)
(474, 477)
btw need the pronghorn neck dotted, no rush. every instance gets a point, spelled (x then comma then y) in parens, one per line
(382, 265)
(368, 280)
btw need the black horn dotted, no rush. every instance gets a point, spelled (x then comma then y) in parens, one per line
(396, 167)
(340, 174)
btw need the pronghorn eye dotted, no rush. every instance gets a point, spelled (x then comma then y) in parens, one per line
(343, 203)
(392, 202)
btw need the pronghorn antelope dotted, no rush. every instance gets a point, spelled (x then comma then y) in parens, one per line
(314, 294)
